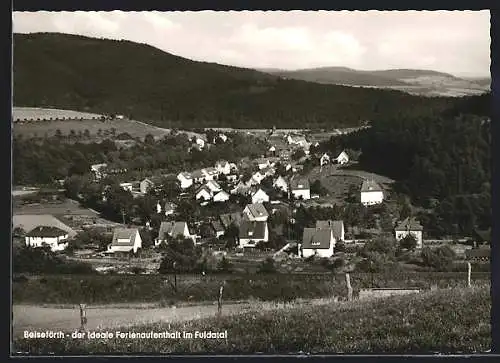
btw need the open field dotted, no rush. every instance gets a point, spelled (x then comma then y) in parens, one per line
(45, 114)
(134, 128)
(107, 289)
(441, 321)
(67, 207)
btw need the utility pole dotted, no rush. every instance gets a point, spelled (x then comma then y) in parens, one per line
(123, 216)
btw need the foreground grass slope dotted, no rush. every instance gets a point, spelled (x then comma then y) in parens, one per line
(445, 321)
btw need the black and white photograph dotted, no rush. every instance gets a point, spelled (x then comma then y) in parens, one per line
(251, 182)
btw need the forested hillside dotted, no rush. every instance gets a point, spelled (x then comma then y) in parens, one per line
(443, 162)
(147, 84)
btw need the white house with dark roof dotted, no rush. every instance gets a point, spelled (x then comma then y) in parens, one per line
(223, 167)
(146, 185)
(336, 226)
(324, 159)
(200, 142)
(252, 232)
(255, 212)
(125, 240)
(28, 222)
(300, 189)
(51, 236)
(281, 184)
(204, 193)
(259, 196)
(172, 230)
(257, 178)
(185, 179)
(371, 193)
(221, 196)
(213, 186)
(317, 241)
(198, 176)
(170, 208)
(343, 158)
(409, 226)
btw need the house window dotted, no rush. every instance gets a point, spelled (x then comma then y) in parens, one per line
(315, 243)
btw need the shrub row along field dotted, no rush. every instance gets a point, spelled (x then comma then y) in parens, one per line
(445, 321)
(106, 289)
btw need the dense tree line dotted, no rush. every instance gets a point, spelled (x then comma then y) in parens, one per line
(47, 159)
(443, 163)
(144, 83)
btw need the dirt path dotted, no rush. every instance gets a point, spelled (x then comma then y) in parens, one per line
(27, 317)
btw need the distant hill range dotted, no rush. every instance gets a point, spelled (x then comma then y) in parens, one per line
(413, 81)
(102, 76)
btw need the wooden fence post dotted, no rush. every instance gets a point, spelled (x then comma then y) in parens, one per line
(469, 268)
(83, 318)
(219, 301)
(349, 287)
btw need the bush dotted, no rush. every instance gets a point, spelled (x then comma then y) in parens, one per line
(409, 242)
(267, 266)
(440, 258)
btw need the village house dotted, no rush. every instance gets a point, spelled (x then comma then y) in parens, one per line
(221, 196)
(325, 159)
(232, 178)
(209, 173)
(223, 167)
(204, 193)
(186, 179)
(125, 240)
(255, 212)
(343, 158)
(272, 150)
(213, 186)
(51, 236)
(146, 185)
(252, 232)
(200, 142)
(173, 230)
(300, 188)
(262, 163)
(230, 218)
(198, 176)
(297, 140)
(127, 186)
(98, 170)
(281, 184)
(259, 196)
(170, 208)
(223, 137)
(317, 241)
(409, 226)
(371, 193)
(28, 222)
(337, 228)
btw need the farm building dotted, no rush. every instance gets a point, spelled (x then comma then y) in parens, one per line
(409, 226)
(252, 232)
(371, 193)
(172, 230)
(186, 180)
(317, 241)
(256, 212)
(337, 228)
(51, 236)
(125, 240)
(300, 189)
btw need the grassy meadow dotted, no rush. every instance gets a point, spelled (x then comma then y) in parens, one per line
(442, 321)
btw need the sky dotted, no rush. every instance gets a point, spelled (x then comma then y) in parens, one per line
(456, 42)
